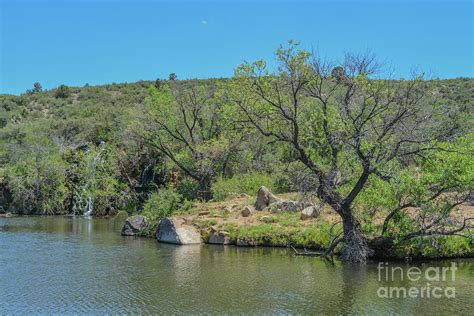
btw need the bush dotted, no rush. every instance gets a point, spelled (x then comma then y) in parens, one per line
(188, 188)
(62, 92)
(294, 177)
(162, 204)
(248, 183)
(121, 216)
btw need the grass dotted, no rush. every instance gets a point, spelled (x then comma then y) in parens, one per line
(287, 229)
(436, 247)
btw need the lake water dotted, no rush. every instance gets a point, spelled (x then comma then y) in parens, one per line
(63, 265)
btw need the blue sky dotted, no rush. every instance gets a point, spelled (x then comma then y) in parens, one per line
(83, 41)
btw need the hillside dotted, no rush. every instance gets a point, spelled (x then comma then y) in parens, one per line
(49, 142)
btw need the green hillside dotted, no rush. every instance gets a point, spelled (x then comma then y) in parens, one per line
(50, 142)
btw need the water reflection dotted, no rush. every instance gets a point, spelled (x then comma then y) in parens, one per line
(78, 265)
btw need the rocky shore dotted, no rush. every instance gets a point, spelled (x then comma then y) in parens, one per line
(269, 220)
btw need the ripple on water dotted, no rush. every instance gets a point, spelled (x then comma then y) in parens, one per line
(72, 265)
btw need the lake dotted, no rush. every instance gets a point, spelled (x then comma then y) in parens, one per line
(71, 265)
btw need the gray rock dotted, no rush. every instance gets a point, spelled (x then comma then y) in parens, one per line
(287, 206)
(246, 212)
(219, 238)
(265, 198)
(176, 231)
(133, 225)
(310, 212)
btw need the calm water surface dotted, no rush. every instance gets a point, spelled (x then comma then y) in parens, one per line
(51, 265)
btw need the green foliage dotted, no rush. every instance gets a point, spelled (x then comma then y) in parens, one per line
(121, 216)
(436, 247)
(37, 87)
(52, 160)
(37, 184)
(162, 204)
(450, 171)
(247, 183)
(62, 92)
(185, 124)
(97, 178)
(272, 234)
(188, 188)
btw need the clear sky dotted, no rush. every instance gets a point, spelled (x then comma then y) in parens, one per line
(83, 41)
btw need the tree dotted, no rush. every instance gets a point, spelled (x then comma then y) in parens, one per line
(351, 130)
(158, 83)
(37, 87)
(62, 92)
(172, 76)
(184, 123)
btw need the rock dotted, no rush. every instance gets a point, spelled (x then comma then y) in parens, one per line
(265, 198)
(287, 206)
(133, 225)
(268, 219)
(219, 238)
(188, 221)
(226, 210)
(246, 212)
(242, 243)
(310, 212)
(176, 231)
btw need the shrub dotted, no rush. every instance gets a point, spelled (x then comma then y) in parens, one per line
(121, 216)
(248, 183)
(188, 188)
(62, 92)
(162, 204)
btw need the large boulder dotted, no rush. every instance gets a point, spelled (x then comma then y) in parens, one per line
(134, 225)
(310, 212)
(177, 231)
(265, 198)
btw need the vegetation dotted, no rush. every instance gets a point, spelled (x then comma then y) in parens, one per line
(392, 158)
(350, 129)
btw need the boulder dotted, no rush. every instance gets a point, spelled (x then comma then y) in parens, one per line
(287, 206)
(219, 238)
(246, 211)
(265, 198)
(133, 225)
(177, 231)
(310, 212)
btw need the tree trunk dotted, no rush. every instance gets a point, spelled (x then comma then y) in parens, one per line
(204, 192)
(356, 249)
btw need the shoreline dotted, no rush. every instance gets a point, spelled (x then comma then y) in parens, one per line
(262, 245)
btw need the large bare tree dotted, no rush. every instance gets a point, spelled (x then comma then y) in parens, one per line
(347, 127)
